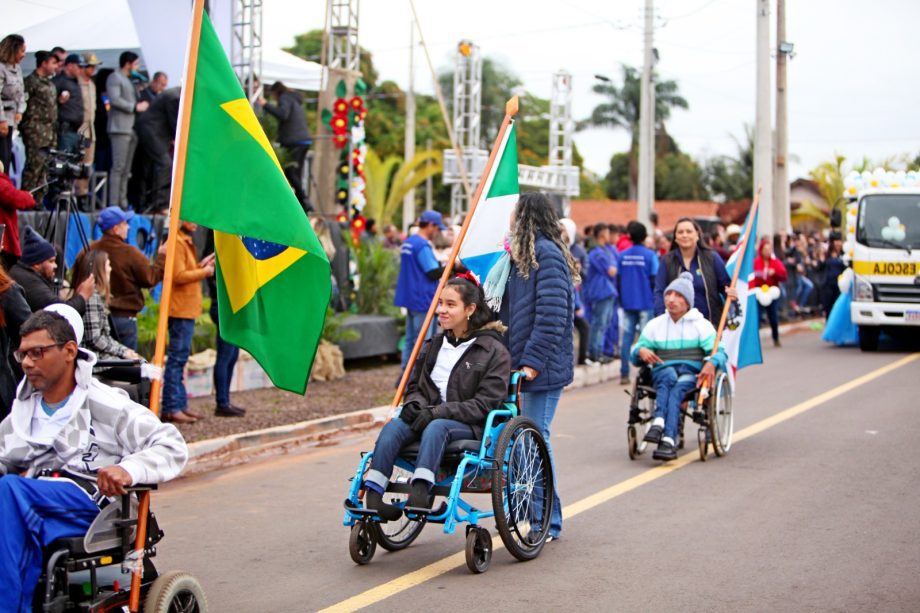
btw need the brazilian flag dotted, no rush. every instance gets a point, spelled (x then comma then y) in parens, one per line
(273, 276)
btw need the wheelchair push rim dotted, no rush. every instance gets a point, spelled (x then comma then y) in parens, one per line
(721, 418)
(522, 488)
(635, 432)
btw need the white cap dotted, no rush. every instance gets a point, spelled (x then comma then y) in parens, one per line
(71, 315)
(569, 228)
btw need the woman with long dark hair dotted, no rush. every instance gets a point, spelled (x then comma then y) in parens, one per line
(12, 93)
(538, 305)
(710, 279)
(444, 403)
(97, 336)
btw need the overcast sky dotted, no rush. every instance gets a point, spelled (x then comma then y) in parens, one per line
(851, 86)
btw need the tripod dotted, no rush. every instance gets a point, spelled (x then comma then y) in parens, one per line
(65, 205)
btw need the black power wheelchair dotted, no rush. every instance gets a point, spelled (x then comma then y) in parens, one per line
(100, 571)
(709, 408)
(511, 464)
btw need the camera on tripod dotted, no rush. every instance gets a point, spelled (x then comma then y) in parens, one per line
(67, 165)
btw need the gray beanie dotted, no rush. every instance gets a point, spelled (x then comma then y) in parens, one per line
(683, 285)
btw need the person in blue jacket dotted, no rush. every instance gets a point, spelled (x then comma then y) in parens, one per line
(599, 291)
(710, 280)
(638, 266)
(419, 272)
(537, 305)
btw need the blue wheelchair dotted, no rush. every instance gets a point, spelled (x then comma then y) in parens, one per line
(711, 411)
(511, 463)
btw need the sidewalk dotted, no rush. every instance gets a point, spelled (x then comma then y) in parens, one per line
(223, 452)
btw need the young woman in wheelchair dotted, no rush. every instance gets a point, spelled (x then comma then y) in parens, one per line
(461, 374)
(677, 346)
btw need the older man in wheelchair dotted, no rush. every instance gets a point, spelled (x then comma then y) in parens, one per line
(677, 346)
(69, 446)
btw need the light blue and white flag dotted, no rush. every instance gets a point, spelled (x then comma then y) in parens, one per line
(741, 337)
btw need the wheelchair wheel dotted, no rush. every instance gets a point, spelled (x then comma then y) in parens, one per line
(478, 549)
(704, 445)
(522, 488)
(721, 420)
(399, 534)
(173, 592)
(361, 543)
(632, 443)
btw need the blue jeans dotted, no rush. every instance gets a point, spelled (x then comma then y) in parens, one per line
(601, 314)
(414, 322)
(180, 346)
(803, 288)
(612, 334)
(540, 407)
(396, 435)
(632, 327)
(34, 513)
(227, 355)
(126, 328)
(671, 384)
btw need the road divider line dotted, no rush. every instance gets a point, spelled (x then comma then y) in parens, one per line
(444, 565)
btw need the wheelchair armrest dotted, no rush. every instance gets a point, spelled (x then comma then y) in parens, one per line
(141, 487)
(116, 363)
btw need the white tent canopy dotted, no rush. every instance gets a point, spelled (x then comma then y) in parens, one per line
(160, 31)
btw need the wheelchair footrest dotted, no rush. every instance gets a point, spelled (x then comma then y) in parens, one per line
(406, 488)
(422, 512)
(351, 508)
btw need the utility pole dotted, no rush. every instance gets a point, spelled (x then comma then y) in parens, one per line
(763, 141)
(646, 154)
(408, 215)
(782, 211)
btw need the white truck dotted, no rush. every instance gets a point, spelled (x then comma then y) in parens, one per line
(882, 245)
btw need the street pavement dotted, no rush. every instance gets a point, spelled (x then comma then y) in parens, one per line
(816, 508)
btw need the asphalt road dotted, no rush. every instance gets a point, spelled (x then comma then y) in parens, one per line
(816, 508)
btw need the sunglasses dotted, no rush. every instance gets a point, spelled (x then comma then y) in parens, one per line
(34, 353)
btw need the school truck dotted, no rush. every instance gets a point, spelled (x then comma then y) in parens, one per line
(883, 248)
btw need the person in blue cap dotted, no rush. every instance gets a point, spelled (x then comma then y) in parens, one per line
(419, 272)
(35, 273)
(132, 272)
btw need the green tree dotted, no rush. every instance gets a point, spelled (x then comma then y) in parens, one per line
(616, 183)
(732, 178)
(389, 180)
(679, 177)
(829, 178)
(309, 46)
(621, 110)
(498, 83)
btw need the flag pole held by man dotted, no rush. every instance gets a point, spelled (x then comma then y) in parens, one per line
(272, 274)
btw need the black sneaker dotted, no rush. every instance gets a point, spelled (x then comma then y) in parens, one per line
(666, 451)
(374, 502)
(230, 411)
(420, 497)
(653, 435)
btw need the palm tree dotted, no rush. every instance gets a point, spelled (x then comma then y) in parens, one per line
(389, 180)
(622, 111)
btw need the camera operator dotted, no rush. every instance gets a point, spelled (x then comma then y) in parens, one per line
(70, 104)
(35, 273)
(11, 201)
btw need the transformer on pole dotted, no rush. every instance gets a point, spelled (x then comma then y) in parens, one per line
(246, 44)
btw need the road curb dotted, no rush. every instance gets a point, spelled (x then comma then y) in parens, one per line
(211, 454)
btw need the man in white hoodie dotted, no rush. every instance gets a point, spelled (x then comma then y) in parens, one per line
(678, 346)
(69, 443)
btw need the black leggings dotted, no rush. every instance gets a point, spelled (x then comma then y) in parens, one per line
(581, 325)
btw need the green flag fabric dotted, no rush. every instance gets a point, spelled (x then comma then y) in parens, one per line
(273, 277)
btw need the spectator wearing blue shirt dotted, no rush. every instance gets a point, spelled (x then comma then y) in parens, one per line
(600, 292)
(638, 266)
(419, 272)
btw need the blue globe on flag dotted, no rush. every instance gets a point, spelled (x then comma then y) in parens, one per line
(262, 250)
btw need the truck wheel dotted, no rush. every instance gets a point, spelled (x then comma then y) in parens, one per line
(868, 337)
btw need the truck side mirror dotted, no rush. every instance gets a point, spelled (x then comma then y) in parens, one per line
(836, 218)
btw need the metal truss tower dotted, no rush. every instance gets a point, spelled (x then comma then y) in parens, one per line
(246, 44)
(343, 51)
(467, 107)
(561, 125)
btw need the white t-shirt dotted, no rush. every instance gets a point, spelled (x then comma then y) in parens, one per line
(448, 357)
(44, 426)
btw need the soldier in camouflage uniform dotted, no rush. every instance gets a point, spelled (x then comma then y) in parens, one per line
(39, 122)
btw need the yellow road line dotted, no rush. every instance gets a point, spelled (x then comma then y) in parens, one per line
(444, 565)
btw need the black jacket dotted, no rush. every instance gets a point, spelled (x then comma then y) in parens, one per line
(478, 383)
(71, 112)
(15, 312)
(40, 291)
(292, 120)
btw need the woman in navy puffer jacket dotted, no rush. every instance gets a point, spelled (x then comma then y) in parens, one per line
(538, 307)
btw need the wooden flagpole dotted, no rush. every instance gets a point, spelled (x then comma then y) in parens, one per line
(511, 109)
(746, 241)
(175, 198)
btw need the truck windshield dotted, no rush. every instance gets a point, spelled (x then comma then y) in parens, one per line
(889, 221)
